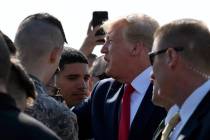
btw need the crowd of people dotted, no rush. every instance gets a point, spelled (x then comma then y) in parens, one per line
(151, 83)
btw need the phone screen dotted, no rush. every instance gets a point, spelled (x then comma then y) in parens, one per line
(98, 18)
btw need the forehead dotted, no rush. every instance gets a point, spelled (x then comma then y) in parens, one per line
(116, 27)
(115, 34)
(156, 44)
(75, 68)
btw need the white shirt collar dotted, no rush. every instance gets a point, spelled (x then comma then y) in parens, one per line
(142, 81)
(193, 101)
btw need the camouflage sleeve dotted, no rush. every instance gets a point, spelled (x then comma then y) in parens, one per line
(56, 116)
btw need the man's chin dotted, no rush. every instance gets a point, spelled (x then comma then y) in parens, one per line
(156, 100)
(80, 98)
(112, 74)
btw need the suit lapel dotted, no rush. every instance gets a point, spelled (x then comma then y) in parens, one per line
(111, 108)
(158, 132)
(143, 114)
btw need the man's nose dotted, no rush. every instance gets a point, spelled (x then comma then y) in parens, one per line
(104, 48)
(152, 76)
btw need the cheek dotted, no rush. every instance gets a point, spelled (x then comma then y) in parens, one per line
(66, 91)
(157, 81)
(65, 85)
(156, 76)
(114, 61)
(163, 84)
(69, 85)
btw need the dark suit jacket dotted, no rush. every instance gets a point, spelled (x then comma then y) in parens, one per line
(15, 125)
(101, 112)
(158, 133)
(198, 126)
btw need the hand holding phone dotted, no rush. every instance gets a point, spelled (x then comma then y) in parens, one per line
(98, 18)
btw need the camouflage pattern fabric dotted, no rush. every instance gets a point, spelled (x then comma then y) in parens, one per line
(56, 115)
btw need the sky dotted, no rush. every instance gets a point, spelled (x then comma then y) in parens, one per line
(75, 15)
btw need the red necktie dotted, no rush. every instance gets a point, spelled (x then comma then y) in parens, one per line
(125, 113)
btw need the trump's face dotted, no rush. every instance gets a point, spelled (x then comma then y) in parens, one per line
(116, 50)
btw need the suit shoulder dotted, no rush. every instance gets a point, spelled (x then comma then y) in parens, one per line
(107, 83)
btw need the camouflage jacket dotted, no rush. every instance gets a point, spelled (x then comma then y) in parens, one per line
(53, 114)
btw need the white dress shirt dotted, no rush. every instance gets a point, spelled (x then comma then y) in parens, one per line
(189, 106)
(140, 84)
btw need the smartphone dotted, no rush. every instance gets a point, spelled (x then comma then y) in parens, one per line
(98, 18)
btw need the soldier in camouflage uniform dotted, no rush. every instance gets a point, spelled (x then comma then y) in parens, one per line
(40, 39)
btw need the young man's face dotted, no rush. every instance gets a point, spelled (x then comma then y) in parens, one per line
(73, 81)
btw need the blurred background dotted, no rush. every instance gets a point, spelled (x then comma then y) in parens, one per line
(76, 15)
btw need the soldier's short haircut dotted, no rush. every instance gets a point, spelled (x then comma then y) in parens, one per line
(47, 18)
(38, 35)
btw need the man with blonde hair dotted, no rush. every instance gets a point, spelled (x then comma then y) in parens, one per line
(121, 109)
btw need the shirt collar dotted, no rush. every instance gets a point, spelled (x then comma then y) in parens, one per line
(193, 101)
(142, 81)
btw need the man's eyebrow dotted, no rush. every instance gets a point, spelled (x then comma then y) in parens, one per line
(87, 74)
(71, 75)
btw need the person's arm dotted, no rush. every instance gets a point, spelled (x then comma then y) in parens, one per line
(91, 40)
(83, 112)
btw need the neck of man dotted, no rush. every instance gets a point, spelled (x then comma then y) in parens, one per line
(41, 72)
(138, 71)
(40, 68)
(189, 85)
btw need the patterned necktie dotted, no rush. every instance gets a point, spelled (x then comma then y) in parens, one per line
(124, 124)
(169, 126)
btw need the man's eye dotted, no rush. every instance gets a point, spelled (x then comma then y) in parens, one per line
(110, 41)
(71, 77)
(86, 78)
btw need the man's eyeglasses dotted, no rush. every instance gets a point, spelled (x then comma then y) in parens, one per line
(153, 54)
